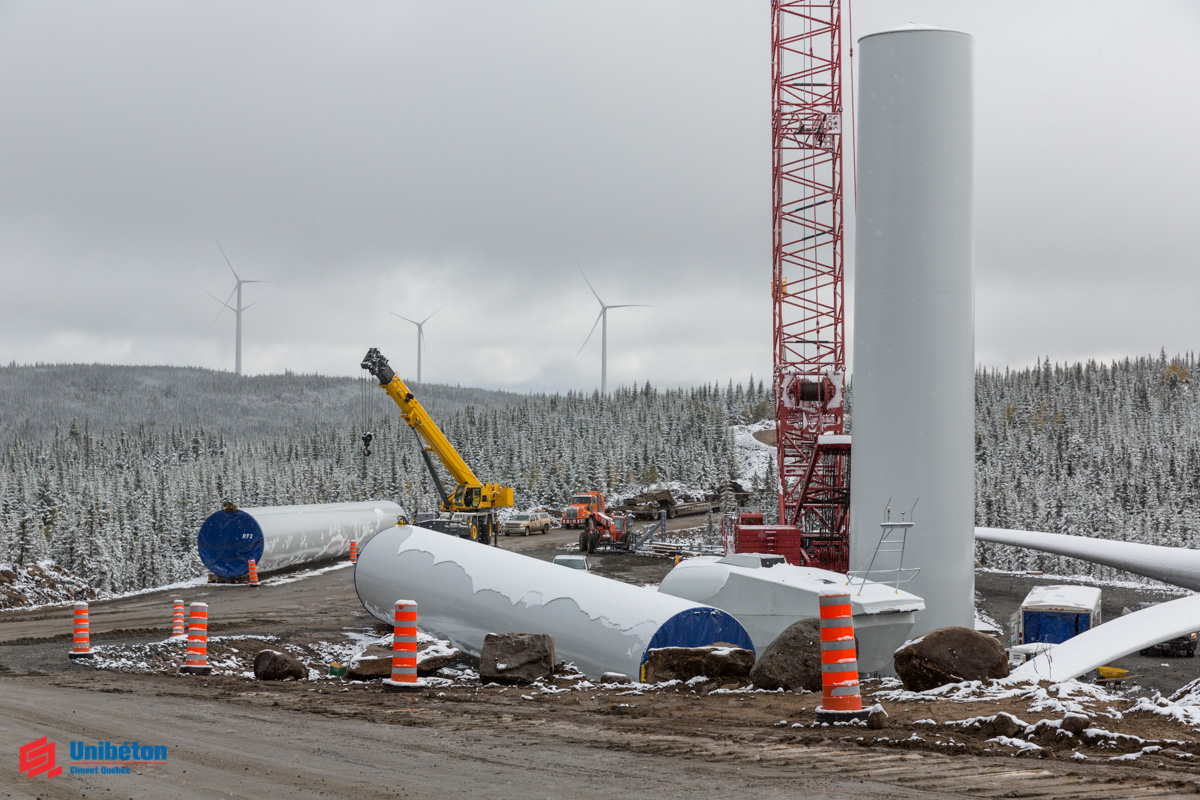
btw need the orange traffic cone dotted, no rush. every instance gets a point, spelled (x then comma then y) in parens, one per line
(841, 699)
(82, 647)
(404, 650)
(197, 646)
(178, 633)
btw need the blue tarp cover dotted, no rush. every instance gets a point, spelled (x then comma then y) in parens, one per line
(697, 627)
(1054, 627)
(227, 542)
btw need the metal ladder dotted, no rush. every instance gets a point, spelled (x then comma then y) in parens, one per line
(893, 539)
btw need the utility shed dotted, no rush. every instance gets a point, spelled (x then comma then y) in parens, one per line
(1055, 614)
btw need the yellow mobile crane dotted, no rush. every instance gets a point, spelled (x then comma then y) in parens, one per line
(470, 511)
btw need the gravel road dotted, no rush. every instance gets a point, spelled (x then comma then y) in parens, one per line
(225, 748)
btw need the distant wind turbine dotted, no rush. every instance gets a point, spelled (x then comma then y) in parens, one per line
(603, 317)
(237, 289)
(420, 337)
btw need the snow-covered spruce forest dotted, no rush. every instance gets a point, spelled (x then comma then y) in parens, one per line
(119, 496)
(109, 471)
(1088, 449)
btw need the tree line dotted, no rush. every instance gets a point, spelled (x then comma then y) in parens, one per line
(1110, 450)
(121, 505)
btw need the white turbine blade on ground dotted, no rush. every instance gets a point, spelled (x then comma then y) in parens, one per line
(1179, 566)
(589, 283)
(227, 261)
(593, 330)
(1115, 639)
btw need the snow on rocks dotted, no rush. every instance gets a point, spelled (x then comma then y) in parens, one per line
(947, 656)
(41, 584)
(167, 656)
(1019, 744)
(1186, 712)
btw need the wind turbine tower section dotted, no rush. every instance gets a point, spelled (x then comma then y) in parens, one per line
(914, 295)
(807, 291)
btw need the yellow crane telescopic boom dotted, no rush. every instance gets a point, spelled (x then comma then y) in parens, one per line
(470, 494)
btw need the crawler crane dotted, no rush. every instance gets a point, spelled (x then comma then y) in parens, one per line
(470, 510)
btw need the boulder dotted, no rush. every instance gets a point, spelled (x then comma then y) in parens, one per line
(433, 658)
(719, 663)
(1003, 724)
(878, 718)
(371, 664)
(949, 655)
(272, 665)
(369, 668)
(516, 657)
(1076, 723)
(793, 660)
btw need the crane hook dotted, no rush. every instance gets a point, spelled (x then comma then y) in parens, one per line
(366, 440)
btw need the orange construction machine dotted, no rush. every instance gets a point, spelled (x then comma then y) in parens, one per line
(583, 507)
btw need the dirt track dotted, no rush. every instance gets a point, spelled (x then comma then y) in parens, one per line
(235, 737)
(224, 742)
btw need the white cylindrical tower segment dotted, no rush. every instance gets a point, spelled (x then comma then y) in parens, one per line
(466, 591)
(914, 313)
(277, 537)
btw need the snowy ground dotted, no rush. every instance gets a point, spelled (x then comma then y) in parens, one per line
(974, 716)
(752, 455)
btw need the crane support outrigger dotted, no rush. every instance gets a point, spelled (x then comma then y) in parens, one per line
(470, 510)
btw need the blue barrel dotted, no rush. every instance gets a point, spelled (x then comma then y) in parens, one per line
(227, 541)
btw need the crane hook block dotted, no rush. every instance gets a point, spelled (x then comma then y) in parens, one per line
(366, 440)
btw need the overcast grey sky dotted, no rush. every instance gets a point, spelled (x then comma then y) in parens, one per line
(395, 156)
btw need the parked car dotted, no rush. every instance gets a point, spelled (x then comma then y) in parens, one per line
(526, 523)
(573, 562)
(1179, 646)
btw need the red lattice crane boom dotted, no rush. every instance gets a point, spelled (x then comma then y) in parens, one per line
(807, 291)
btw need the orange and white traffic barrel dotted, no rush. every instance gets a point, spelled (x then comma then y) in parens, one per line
(253, 573)
(196, 662)
(353, 552)
(82, 645)
(178, 632)
(404, 650)
(840, 696)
